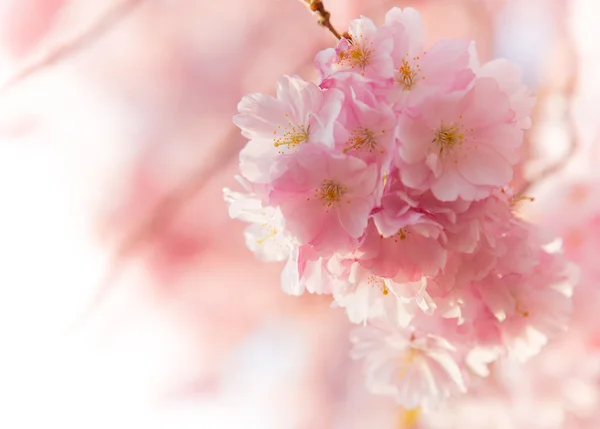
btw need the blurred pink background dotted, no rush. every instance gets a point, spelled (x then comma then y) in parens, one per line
(128, 296)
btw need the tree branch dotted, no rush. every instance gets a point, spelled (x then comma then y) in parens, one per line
(324, 17)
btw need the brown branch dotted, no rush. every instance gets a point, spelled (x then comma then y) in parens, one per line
(106, 22)
(324, 17)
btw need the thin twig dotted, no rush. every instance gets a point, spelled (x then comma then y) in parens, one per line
(106, 22)
(324, 17)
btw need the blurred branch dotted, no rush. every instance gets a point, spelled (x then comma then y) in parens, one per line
(106, 22)
(569, 91)
(558, 165)
(324, 17)
(161, 216)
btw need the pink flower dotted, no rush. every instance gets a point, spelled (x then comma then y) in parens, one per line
(471, 228)
(304, 270)
(419, 73)
(301, 115)
(508, 76)
(407, 30)
(325, 199)
(397, 209)
(463, 144)
(532, 308)
(368, 53)
(385, 187)
(366, 296)
(418, 370)
(411, 253)
(367, 125)
(265, 236)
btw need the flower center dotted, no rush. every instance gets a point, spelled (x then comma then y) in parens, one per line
(447, 137)
(293, 135)
(271, 232)
(517, 200)
(330, 193)
(379, 283)
(362, 138)
(520, 310)
(357, 55)
(407, 74)
(407, 359)
(401, 234)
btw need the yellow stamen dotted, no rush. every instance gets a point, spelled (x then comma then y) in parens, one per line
(293, 136)
(378, 283)
(271, 234)
(401, 234)
(447, 137)
(407, 360)
(520, 310)
(330, 193)
(409, 418)
(407, 75)
(362, 138)
(515, 201)
(358, 54)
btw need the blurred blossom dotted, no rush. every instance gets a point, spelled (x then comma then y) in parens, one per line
(112, 161)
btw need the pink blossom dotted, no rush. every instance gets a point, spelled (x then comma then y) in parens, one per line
(530, 308)
(367, 125)
(442, 69)
(419, 73)
(304, 271)
(265, 236)
(408, 31)
(508, 76)
(301, 115)
(462, 145)
(389, 193)
(412, 252)
(417, 370)
(367, 53)
(366, 296)
(325, 199)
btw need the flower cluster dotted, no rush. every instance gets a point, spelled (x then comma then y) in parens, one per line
(386, 186)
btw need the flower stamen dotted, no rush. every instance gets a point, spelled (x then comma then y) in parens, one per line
(362, 138)
(407, 75)
(272, 233)
(357, 55)
(407, 360)
(330, 193)
(447, 137)
(401, 234)
(292, 137)
(520, 310)
(378, 283)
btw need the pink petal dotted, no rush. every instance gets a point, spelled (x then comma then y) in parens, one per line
(484, 166)
(354, 216)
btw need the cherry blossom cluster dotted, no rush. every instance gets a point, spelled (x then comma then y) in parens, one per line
(386, 187)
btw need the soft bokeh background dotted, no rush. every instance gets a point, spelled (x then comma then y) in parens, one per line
(128, 299)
